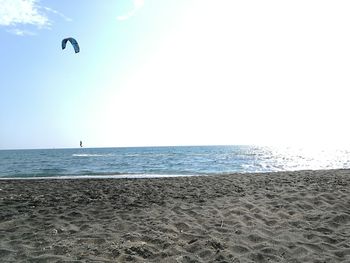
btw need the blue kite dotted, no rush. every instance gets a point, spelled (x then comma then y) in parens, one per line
(73, 42)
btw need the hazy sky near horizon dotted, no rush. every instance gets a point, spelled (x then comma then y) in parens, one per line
(174, 72)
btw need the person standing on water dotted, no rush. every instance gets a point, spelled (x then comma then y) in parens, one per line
(81, 144)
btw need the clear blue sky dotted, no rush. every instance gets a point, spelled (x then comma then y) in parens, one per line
(174, 72)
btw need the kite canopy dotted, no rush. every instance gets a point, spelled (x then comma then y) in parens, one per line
(73, 42)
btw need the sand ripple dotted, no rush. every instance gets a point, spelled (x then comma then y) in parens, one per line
(276, 217)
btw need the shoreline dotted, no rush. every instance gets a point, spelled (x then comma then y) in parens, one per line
(102, 177)
(299, 216)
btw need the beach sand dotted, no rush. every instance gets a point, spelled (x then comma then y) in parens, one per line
(272, 217)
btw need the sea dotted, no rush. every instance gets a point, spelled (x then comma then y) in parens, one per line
(141, 162)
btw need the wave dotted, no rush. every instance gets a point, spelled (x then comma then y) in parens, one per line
(90, 155)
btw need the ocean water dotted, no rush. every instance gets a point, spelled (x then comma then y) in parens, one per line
(165, 161)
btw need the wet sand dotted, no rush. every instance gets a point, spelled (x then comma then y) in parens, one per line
(274, 217)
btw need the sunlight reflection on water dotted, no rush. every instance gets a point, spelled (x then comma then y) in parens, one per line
(301, 158)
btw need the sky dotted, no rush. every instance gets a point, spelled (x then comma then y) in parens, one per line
(174, 72)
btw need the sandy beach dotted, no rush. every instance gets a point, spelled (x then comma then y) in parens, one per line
(272, 217)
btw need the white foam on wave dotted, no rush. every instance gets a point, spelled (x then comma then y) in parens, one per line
(89, 155)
